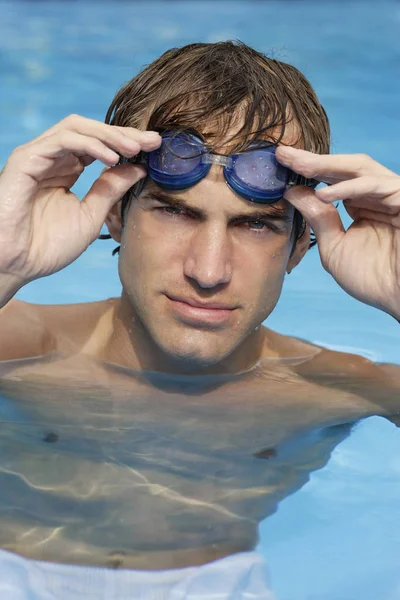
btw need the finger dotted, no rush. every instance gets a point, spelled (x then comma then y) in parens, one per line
(329, 168)
(323, 219)
(121, 139)
(108, 189)
(105, 131)
(374, 193)
(84, 146)
(358, 214)
(39, 164)
(148, 140)
(114, 135)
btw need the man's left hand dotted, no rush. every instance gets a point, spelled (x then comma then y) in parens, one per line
(365, 259)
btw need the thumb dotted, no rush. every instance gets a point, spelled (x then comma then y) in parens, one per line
(324, 219)
(112, 184)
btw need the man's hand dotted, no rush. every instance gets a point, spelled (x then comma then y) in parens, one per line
(365, 259)
(44, 226)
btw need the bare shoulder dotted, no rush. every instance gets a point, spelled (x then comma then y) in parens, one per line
(22, 332)
(377, 383)
(320, 360)
(28, 330)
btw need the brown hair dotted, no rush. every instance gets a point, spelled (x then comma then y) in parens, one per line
(209, 87)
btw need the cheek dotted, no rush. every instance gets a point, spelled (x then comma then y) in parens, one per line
(264, 266)
(261, 279)
(147, 253)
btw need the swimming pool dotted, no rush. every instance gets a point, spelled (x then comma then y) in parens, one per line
(337, 538)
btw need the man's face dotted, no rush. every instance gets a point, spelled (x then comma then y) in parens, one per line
(202, 267)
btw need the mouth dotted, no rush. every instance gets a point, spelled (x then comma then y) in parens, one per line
(196, 311)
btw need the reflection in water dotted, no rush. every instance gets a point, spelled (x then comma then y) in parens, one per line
(134, 472)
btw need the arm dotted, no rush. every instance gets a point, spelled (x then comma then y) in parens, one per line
(376, 384)
(43, 226)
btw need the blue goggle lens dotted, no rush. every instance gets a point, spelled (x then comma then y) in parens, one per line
(258, 171)
(178, 163)
(176, 156)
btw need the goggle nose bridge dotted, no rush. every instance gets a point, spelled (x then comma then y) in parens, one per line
(216, 159)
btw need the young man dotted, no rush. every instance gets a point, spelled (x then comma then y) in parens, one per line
(165, 424)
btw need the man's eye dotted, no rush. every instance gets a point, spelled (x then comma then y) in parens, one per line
(257, 225)
(173, 210)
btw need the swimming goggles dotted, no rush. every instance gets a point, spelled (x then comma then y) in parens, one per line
(183, 159)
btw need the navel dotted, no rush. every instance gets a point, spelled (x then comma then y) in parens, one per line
(265, 453)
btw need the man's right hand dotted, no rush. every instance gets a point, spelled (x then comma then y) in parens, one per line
(43, 226)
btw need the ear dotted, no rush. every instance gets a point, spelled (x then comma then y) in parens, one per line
(113, 222)
(300, 250)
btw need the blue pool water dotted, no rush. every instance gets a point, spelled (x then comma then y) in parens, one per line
(339, 537)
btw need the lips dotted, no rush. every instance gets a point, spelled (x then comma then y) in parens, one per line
(194, 312)
(204, 305)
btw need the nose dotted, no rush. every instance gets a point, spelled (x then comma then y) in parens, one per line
(209, 256)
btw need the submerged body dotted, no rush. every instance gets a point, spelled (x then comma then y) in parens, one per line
(109, 466)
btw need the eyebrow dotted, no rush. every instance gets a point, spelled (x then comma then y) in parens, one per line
(271, 211)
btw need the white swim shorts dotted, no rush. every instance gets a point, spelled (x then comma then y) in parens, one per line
(241, 576)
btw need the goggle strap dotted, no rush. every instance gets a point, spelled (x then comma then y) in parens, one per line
(296, 179)
(139, 159)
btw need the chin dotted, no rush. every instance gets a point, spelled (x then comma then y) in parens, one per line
(197, 351)
(195, 356)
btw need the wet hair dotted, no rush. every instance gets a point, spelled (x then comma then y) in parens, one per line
(215, 88)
